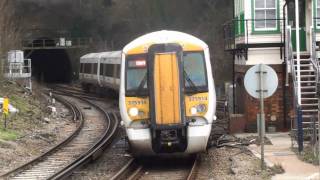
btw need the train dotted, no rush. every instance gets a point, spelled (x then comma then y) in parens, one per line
(166, 91)
(100, 71)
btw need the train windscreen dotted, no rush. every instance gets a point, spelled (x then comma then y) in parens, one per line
(136, 75)
(195, 72)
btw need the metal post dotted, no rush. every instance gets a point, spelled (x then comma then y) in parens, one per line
(298, 49)
(300, 130)
(319, 131)
(5, 121)
(261, 120)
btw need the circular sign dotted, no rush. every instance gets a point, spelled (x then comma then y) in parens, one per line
(269, 81)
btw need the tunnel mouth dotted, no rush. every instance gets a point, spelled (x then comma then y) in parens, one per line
(50, 65)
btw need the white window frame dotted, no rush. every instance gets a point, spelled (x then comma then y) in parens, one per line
(317, 15)
(265, 9)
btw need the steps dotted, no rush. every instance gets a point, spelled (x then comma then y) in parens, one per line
(309, 101)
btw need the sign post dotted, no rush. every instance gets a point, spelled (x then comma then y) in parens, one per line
(261, 81)
(261, 120)
(5, 110)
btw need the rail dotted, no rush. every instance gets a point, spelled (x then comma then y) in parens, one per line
(91, 153)
(316, 66)
(291, 66)
(96, 149)
(239, 32)
(77, 116)
(56, 43)
(314, 59)
(295, 127)
(16, 70)
(134, 169)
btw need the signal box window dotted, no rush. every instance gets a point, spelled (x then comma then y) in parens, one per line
(265, 13)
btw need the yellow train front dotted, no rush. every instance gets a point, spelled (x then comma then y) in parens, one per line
(167, 96)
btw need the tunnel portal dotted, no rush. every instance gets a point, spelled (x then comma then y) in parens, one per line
(50, 65)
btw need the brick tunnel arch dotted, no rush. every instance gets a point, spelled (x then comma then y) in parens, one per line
(49, 64)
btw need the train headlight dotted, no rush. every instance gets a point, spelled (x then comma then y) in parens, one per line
(193, 111)
(199, 109)
(133, 112)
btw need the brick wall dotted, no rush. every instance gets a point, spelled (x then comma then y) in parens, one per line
(274, 105)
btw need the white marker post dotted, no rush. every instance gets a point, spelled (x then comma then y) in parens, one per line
(298, 49)
(261, 81)
(261, 119)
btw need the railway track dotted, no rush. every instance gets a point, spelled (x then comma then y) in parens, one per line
(95, 130)
(80, 92)
(159, 169)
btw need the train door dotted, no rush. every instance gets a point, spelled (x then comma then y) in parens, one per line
(166, 88)
(167, 112)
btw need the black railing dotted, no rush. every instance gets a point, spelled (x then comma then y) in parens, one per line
(56, 43)
(237, 33)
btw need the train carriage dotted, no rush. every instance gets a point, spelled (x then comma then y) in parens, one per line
(100, 70)
(167, 96)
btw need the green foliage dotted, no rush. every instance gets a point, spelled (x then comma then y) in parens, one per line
(29, 114)
(8, 135)
(307, 155)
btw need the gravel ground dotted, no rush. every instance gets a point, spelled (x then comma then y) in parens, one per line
(111, 160)
(228, 163)
(108, 164)
(44, 134)
(223, 163)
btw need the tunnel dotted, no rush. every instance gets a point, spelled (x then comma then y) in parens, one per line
(50, 65)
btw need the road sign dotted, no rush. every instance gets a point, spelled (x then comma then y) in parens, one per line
(5, 106)
(261, 81)
(269, 79)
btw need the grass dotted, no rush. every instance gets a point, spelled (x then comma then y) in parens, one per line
(307, 155)
(8, 135)
(277, 169)
(29, 116)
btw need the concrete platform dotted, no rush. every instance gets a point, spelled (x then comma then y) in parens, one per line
(279, 153)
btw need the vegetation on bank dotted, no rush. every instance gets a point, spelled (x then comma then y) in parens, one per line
(28, 117)
(8, 135)
(308, 155)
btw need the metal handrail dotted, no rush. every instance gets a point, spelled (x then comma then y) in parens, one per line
(56, 42)
(18, 70)
(314, 60)
(243, 28)
(290, 65)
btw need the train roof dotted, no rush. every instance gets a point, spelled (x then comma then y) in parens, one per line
(187, 41)
(94, 57)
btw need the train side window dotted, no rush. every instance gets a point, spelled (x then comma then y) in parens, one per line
(87, 68)
(109, 70)
(105, 69)
(81, 66)
(95, 68)
(101, 69)
(118, 70)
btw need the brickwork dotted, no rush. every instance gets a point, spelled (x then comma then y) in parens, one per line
(274, 105)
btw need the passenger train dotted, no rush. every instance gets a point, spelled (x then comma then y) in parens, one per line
(100, 71)
(166, 95)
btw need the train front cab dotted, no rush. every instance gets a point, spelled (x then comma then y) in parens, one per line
(167, 99)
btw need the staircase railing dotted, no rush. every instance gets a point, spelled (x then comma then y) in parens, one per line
(314, 59)
(316, 66)
(290, 65)
(296, 127)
